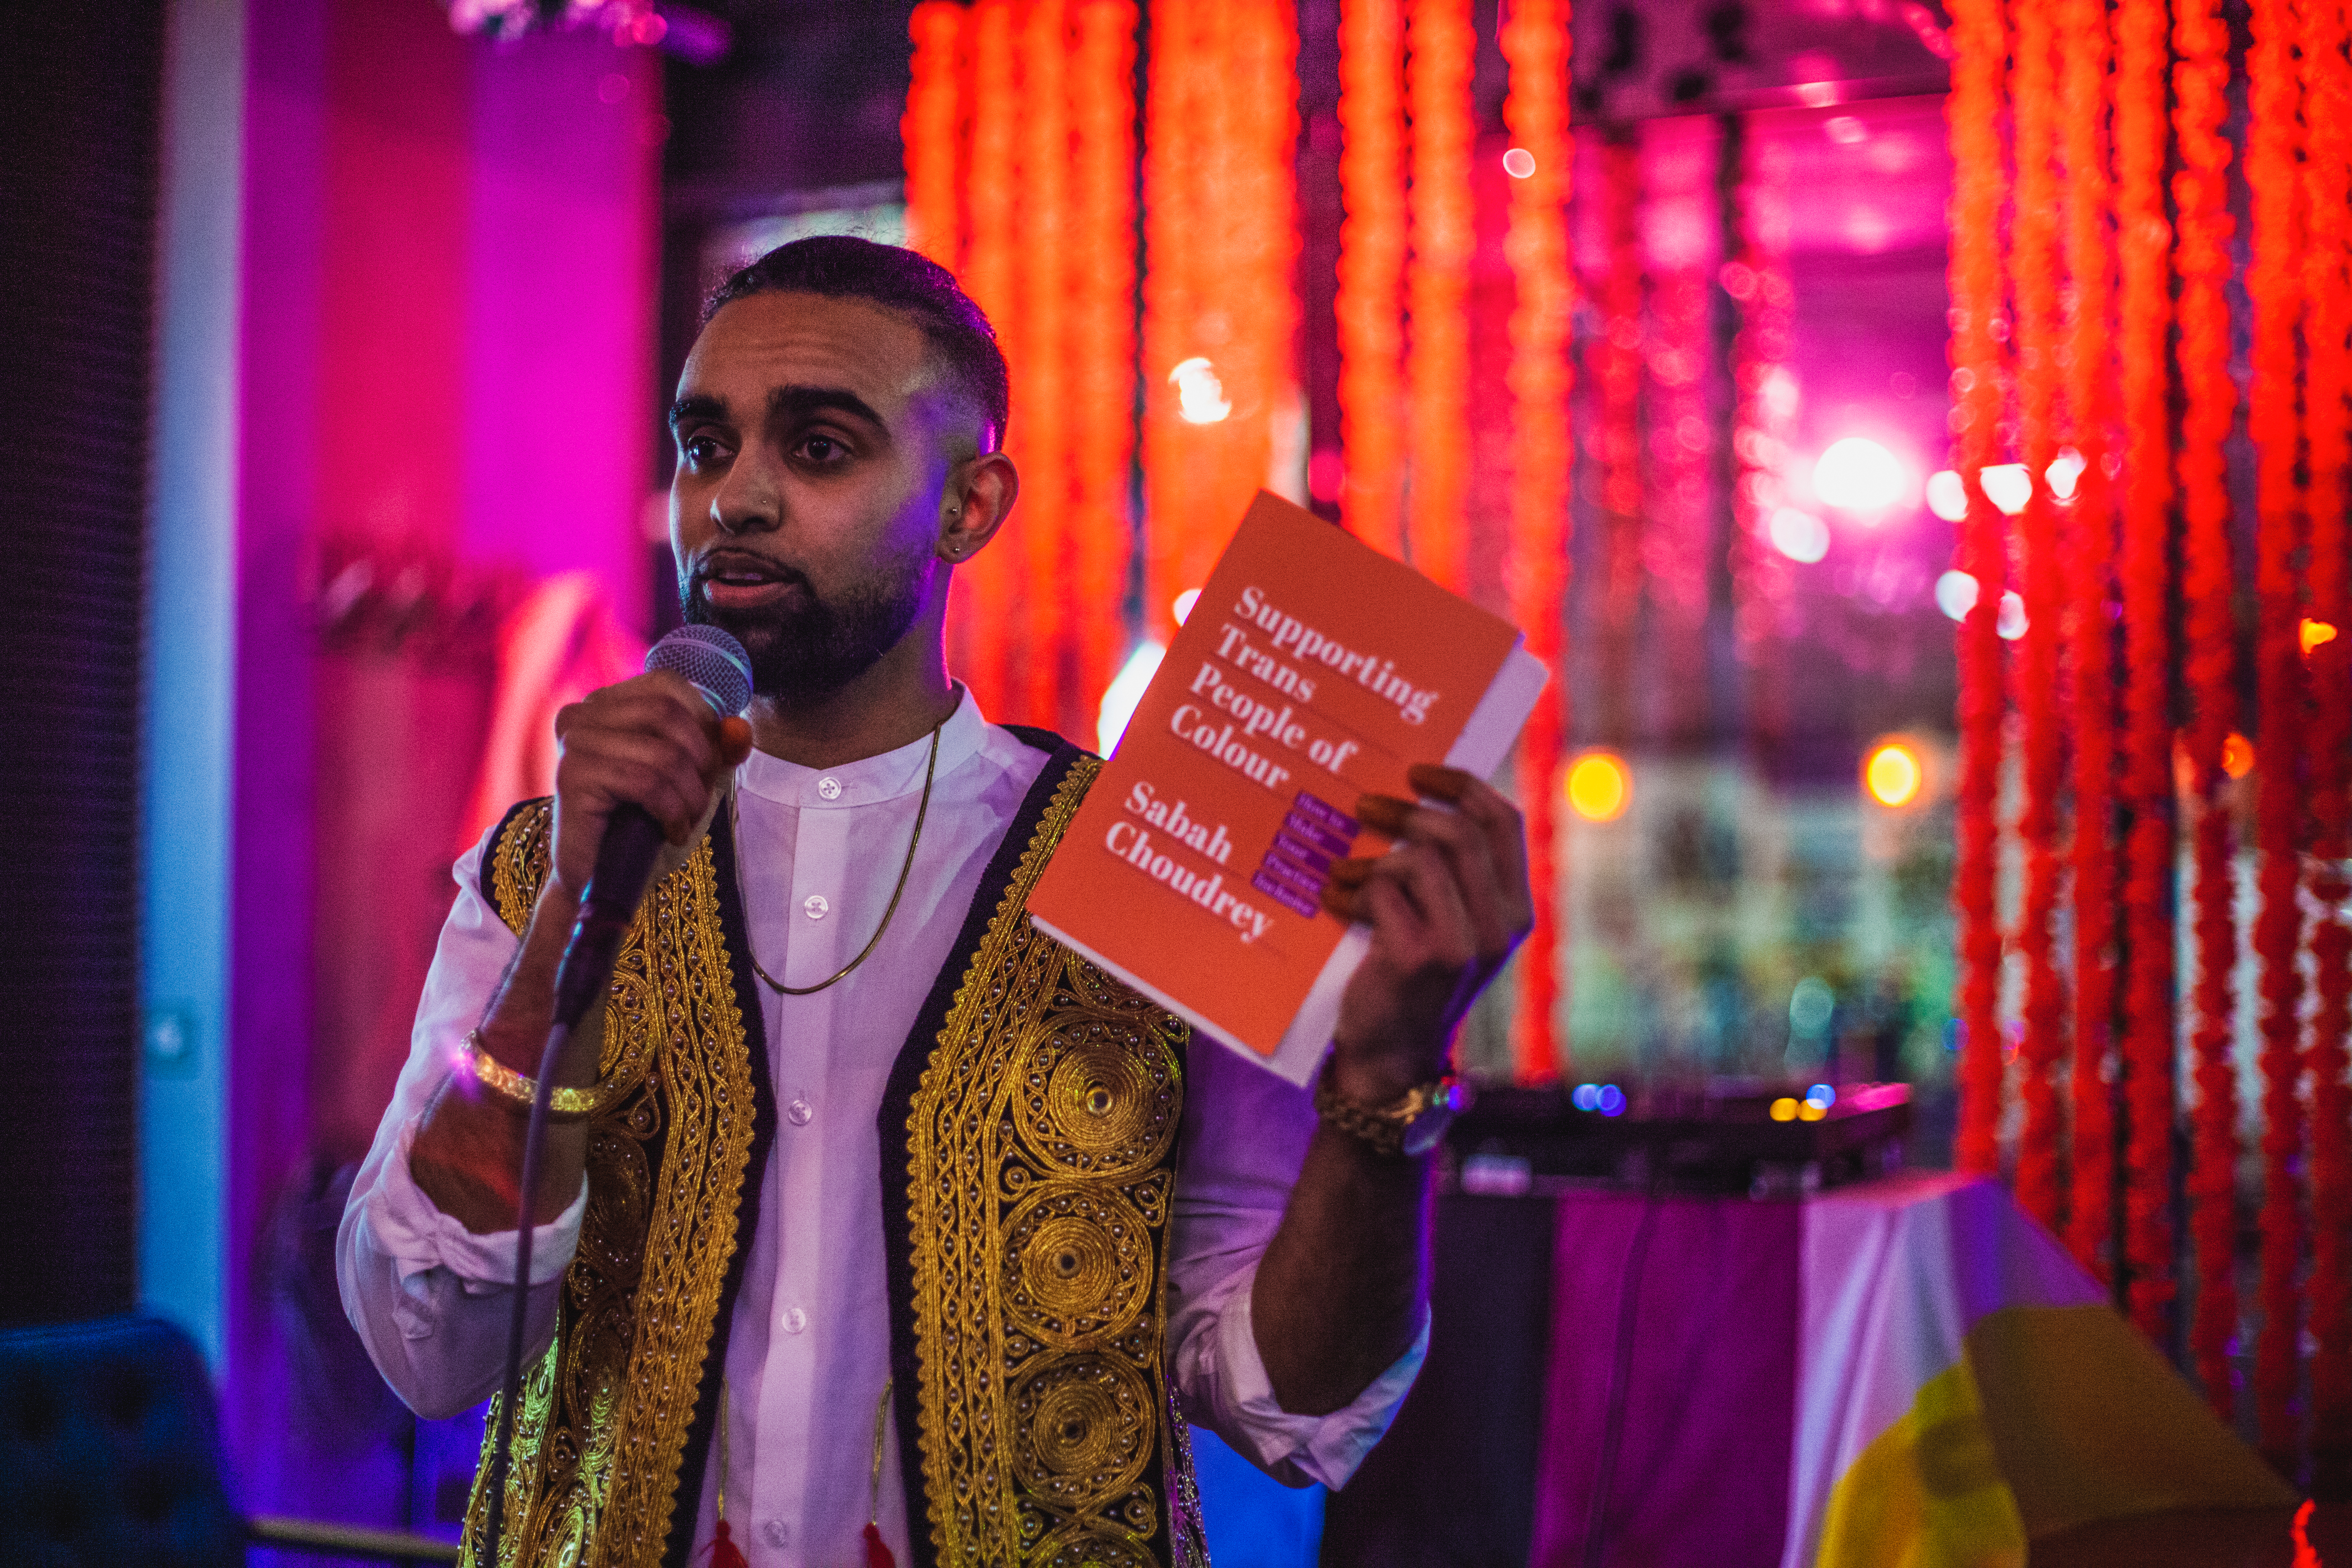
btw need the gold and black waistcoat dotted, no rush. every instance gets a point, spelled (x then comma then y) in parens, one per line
(1028, 1137)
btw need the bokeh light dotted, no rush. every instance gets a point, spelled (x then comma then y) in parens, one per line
(1947, 496)
(1519, 164)
(1200, 395)
(2008, 486)
(2236, 755)
(1799, 536)
(2313, 633)
(1857, 474)
(1956, 595)
(1785, 1109)
(2010, 619)
(2065, 470)
(1600, 786)
(1181, 605)
(1893, 774)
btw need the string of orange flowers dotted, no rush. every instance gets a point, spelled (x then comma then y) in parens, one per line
(1372, 270)
(1535, 44)
(931, 130)
(1438, 54)
(1617, 391)
(2033, 266)
(2090, 642)
(1102, 336)
(2274, 110)
(1040, 443)
(1973, 113)
(2327, 173)
(2143, 312)
(986, 585)
(1764, 408)
(1182, 123)
(2200, 81)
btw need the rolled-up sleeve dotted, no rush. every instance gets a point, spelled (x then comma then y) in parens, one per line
(431, 1299)
(1245, 1137)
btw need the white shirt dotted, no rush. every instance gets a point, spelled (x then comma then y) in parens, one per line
(808, 1348)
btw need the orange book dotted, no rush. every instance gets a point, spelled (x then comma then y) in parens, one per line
(1312, 670)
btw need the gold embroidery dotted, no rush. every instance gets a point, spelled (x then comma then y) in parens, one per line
(1039, 1164)
(601, 1434)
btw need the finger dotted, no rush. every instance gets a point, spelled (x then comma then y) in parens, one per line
(1353, 872)
(1501, 821)
(1464, 846)
(648, 770)
(1436, 892)
(734, 739)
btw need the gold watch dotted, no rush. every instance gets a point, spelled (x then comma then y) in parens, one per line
(1410, 1126)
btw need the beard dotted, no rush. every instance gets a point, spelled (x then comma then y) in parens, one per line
(807, 652)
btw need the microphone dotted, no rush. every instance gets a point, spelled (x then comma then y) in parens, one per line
(719, 669)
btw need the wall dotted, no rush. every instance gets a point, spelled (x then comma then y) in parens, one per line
(425, 342)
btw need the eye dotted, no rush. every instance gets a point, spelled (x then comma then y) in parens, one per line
(822, 451)
(702, 450)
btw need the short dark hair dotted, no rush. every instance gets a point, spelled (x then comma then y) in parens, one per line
(843, 267)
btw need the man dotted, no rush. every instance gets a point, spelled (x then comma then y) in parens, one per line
(882, 1210)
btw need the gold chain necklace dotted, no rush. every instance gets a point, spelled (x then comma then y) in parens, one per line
(735, 825)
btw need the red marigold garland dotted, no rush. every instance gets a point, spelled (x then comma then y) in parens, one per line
(2327, 286)
(1763, 411)
(2090, 542)
(987, 585)
(2033, 266)
(1102, 336)
(2200, 83)
(1534, 42)
(1617, 391)
(2090, 632)
(1372, 270)
(1439, 46)
(2275, 287)
(1973, 112)
(932, 132)
(2144, 308)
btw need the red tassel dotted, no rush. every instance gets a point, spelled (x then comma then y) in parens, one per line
(877, 1555)
(724, 1552)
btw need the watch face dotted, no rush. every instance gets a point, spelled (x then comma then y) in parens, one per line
(1428, 1129)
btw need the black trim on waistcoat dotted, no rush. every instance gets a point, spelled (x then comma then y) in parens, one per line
(679, 1550)
(898, 1104)
(495, 845)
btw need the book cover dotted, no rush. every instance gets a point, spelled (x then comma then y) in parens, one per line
(1312, 670)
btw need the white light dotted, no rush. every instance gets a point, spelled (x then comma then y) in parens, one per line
(1857, 474)
(1181, 605)
(1200, 395)
(1799, 536)
(2010, 621)
(1126, 690)
(1947, 496)
(1956, 595)
(1519, 163)
(2064, 470)
(2008, 486)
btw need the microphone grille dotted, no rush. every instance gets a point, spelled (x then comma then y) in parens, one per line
(712, 660)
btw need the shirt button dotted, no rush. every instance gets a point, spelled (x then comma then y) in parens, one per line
(799, 1111)
(816, 906)
(779, 1534)
(829, 788)
(795, 1320)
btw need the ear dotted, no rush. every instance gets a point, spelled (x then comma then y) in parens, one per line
(974, 504)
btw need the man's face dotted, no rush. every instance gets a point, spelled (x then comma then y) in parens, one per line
(813, 437)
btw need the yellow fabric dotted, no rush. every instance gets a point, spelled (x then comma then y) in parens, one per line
(2091, 1423)
(1927, 1492)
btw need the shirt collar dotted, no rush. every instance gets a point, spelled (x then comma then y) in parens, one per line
(869, 780)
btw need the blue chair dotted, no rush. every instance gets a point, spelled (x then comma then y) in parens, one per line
(110, 1455)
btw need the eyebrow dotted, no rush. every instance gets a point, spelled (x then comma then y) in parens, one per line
(794, 401)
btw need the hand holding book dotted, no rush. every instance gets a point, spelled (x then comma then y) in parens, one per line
(1447, 906)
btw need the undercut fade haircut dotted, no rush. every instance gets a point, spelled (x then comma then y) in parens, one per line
(842, 267)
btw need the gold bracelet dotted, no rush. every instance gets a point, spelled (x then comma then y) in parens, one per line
(520, 1092)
